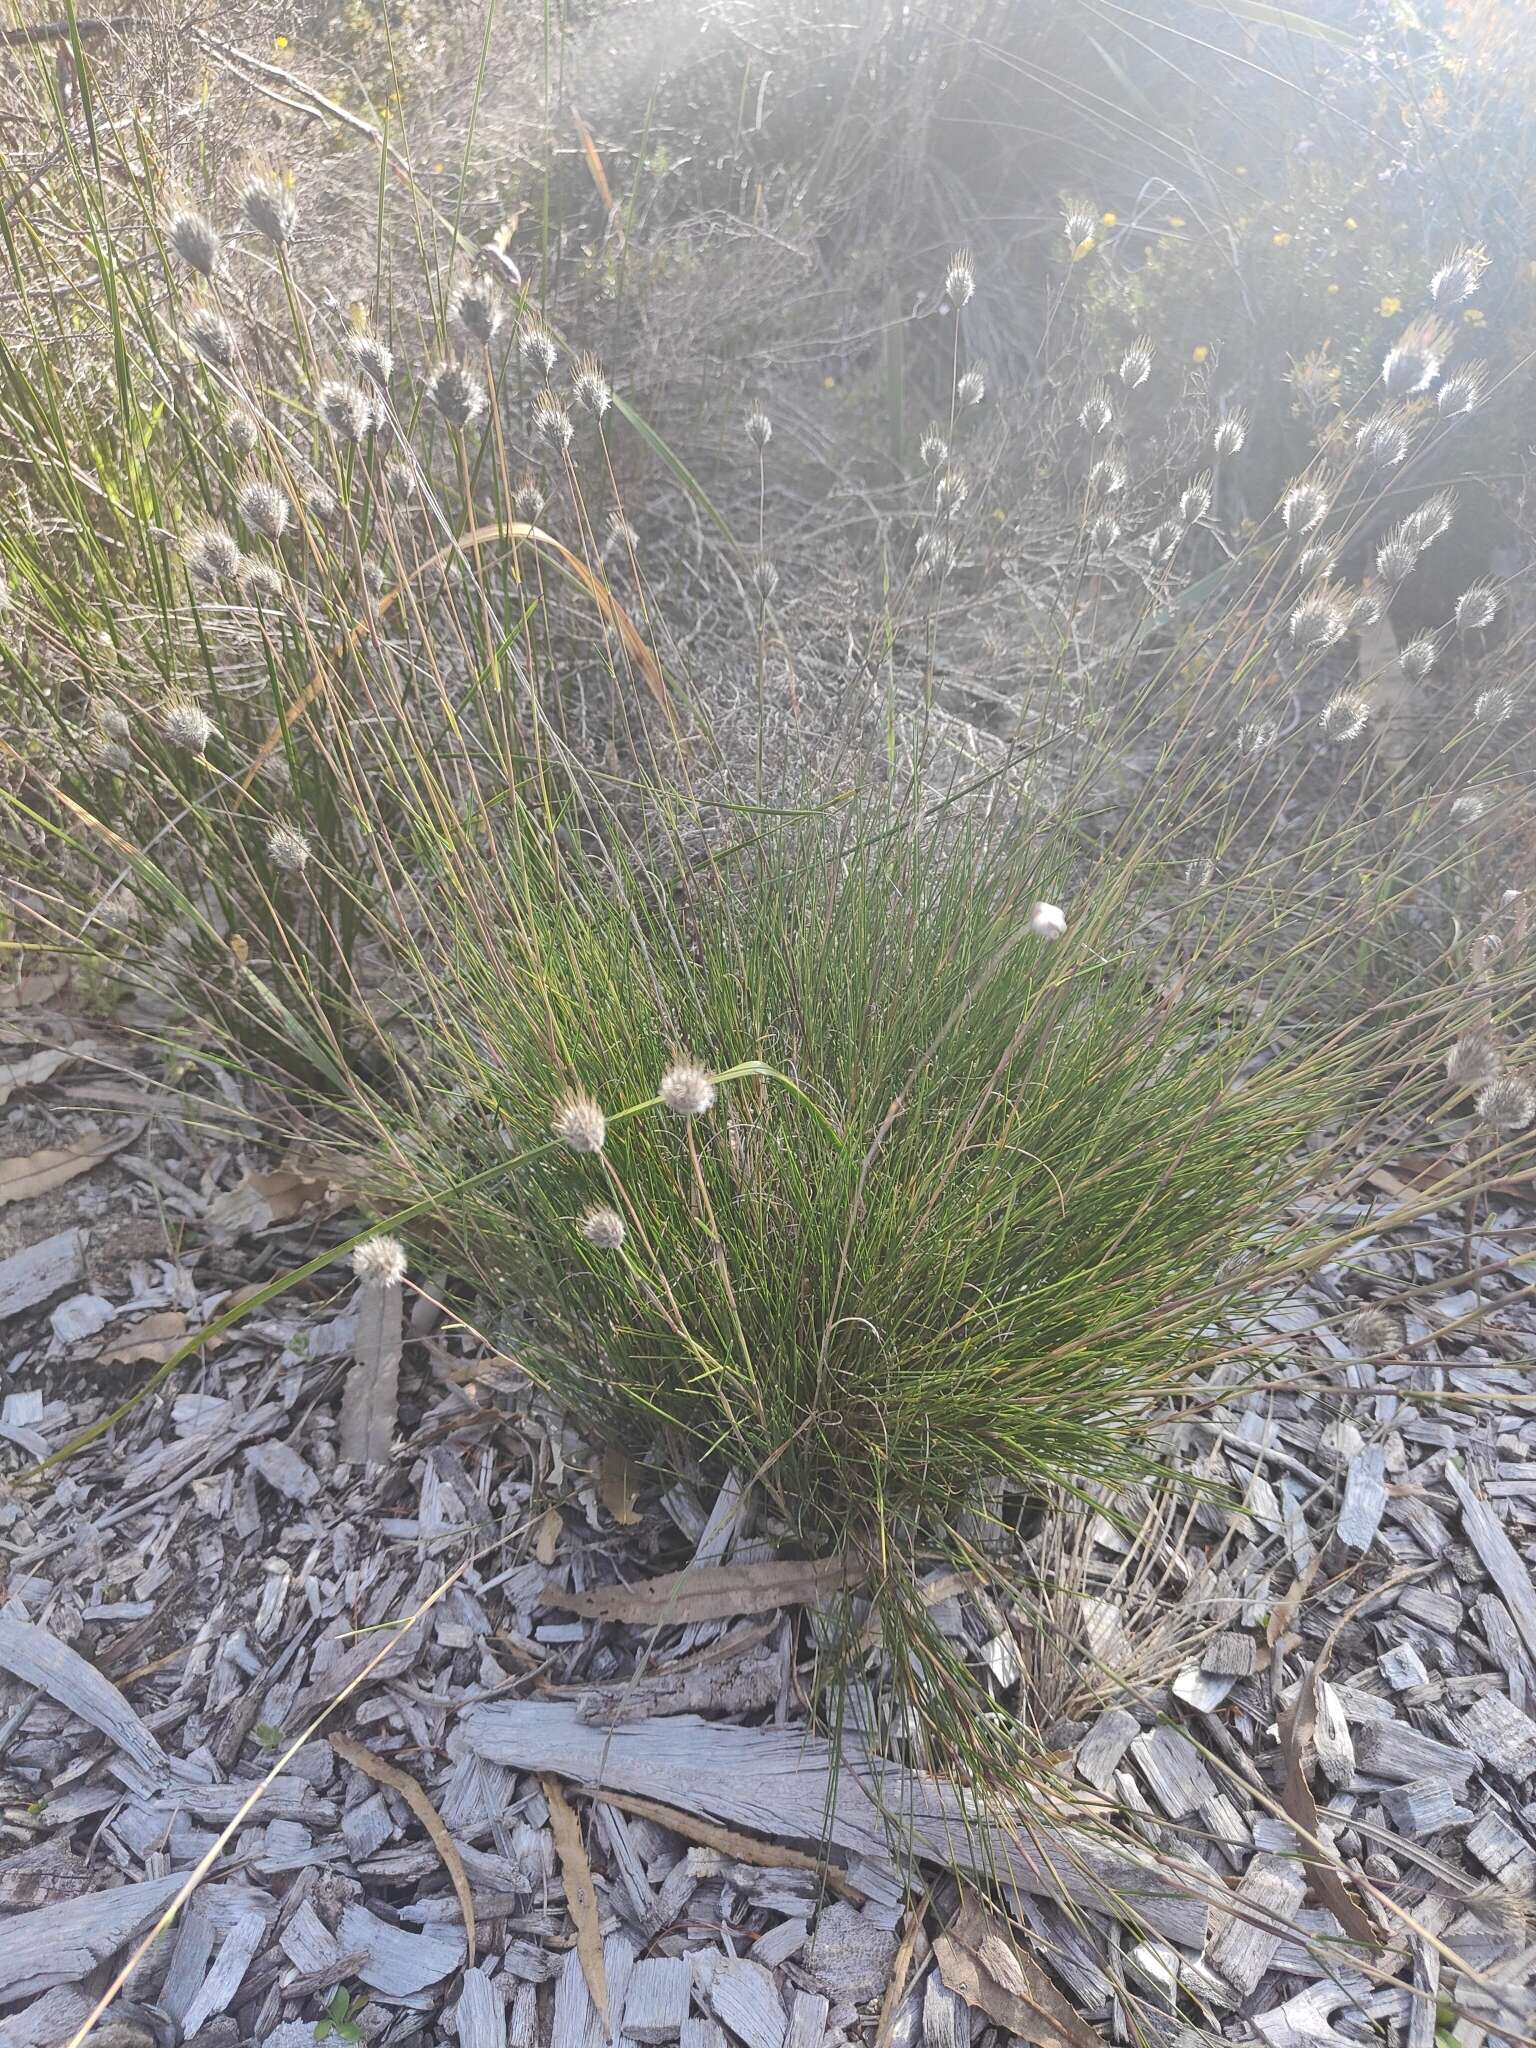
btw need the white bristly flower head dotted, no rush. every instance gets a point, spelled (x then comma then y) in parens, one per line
(1398, 556)
(271, 210)
(590, 387)
(186, 724)
(288, 849)
(241, 431)
(933, 449)
(1230, 432)
(686, 1090)
(538, 346)
(458, 398)
(1046, 921)
(1462, 392)
(1458, 279)
(552, 421)
(1383, 440)
(1431, 518)
(1471, 1061)
(1344, 717)
(345, 410)
(1098, 413)
(380, 1262)
(1136, 364)
(960, 279)
(1477, 607)
(475, 312)
(1304, 506)
(1415, 362)
(1495, 706)
(1195, 500)
(212, 336)
(212, 555)
(971, 389)
(195, 239)
(372, 359)
(529, 500)
(580, 1125)
(759, 428)
(1506, 1103)
(1319, 621)
(264, 509)
(603, 1229)
(1417, 657)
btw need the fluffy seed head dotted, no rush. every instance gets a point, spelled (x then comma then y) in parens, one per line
(400, 480)
(951, 488)
(937, 556)
(241, 432)
(933, 449)
(759, 427)
(1319, 621)
(590, 386)
(603, 1229)
(195, 240)
(186, 724)
(212, 336)
(379, 1262)
(1103, 534)
(686, 1090)
(552, 421)
(288, 849)
(765, 580)
(1098, 413)
(1108, 476)
(1414, 364)
(1398, 556)
(971, 389)
(260, 582)
(1471, 1061)
(1417, 657)
(1046, 921)
(580, 1124)
(1369, 603)
(1372, 1333)
(960, 279)
(1477, 607)
(1195, 499)
(529, 501)
(1429, 520)
(537, 346)
(1462, 392)
(1506, 1103)
(1457, 280)
(372, 358)
(110, 718)
(1495, 706)
(1163, 540)
(271, 209)
(1230, 432)
(1316, 559)
(345, 410)
(1383, 440)
(1344, 717)
(475, 312)
(1467, 810)
(264, 509)
(1136, 364)
(457, 397)
(212, 555)
(620, 534)
(1304, 506)
(1080, 224)
(323, 507)
(1257, 737)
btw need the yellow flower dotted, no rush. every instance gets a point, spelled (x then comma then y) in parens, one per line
(279, 42)
(1175, 220)
(1109, 219)
(1083, 248)
(1350, 222)
(1333, 291)
(1282, 240)
(1388, 306)
(829, 383)
(1199, 353)
(1473, 316)
(1241, 170)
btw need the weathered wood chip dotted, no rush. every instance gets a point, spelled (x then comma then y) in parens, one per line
(744, 1998)
(660, 1991)
(223, 1981)
(38, 1658)
(1500, 1559)
(480, 2016)
(416, 1799)
(1499, 1732)
(31, 1275)
(709, 1592)
(1245, 1943)
(784, 1782)
(62, 1944)
(395, 1962)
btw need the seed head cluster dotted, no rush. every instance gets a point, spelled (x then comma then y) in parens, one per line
(379, 1262)
(580, 1125)
(686, 1090)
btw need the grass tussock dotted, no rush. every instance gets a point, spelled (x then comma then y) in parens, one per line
(873, 948)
